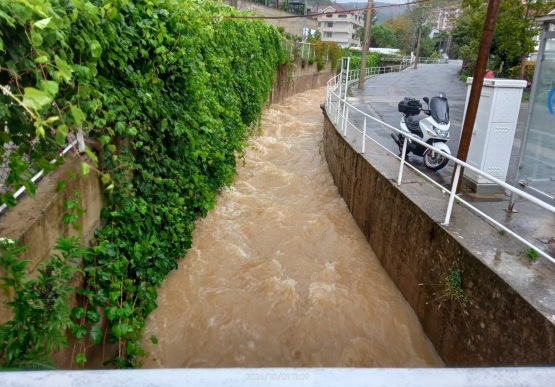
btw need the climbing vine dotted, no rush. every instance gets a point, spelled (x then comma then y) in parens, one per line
(168, 93)
(326, 50)
(39, 305)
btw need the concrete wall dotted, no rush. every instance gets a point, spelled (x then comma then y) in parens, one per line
(36, 222)
(302, 78)
(293, 26)
(509, 316)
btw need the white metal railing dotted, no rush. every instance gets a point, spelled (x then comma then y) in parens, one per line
(274, 377)
(76, 141)
(423, 60)
(338, 110)
(369, 71)
(301, 50)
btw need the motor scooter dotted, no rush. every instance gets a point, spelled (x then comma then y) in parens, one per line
(433, 130)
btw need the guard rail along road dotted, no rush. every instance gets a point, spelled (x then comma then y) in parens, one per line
(338, 110)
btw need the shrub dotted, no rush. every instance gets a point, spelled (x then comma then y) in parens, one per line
(529, 68)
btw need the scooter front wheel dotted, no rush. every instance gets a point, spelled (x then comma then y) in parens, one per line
(434, 161)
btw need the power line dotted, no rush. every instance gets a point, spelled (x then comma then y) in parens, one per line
(323, 14)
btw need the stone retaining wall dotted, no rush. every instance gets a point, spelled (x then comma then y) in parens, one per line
(509, 317)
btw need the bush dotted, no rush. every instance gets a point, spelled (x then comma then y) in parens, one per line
(373, 59)
(529, 68)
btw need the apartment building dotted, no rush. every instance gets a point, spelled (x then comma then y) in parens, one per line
(339, 27)
(444, 18)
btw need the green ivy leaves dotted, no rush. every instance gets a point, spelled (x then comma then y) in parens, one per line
(169, 92)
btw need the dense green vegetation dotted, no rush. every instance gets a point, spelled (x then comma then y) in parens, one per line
(168, 92)
(373, 59)
(513, 38)
(39, 305)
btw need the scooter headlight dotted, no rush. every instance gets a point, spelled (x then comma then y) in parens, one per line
(442, 133)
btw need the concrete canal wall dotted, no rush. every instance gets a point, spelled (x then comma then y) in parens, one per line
(508, 316)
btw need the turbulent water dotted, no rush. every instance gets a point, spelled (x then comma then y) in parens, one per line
(279, 273)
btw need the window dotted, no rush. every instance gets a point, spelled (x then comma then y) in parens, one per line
(327, 34)
(329, 24)
(329, 15)
(319, 24)
(342, 16)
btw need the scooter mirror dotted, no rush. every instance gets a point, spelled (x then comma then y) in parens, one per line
(427, 100)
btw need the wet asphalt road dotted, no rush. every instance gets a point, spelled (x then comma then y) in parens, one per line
(382, 93)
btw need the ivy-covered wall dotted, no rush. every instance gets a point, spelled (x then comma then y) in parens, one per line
(168, 93)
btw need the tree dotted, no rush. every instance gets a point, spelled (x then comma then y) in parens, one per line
(514, 34)
(383, 37)
(516, 28)
(427, 44)
(402, 29)
(359, 33)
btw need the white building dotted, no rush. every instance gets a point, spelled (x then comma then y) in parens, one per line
(444, 18)
(339, 27)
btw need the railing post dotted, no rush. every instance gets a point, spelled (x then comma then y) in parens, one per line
(364, 135)
(337, 111)
(403, 154)
(302, 52)
(452, 196)
(80, 140)
(346, 120)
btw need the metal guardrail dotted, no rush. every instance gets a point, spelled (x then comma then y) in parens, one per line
(74, 142)
(338, 110)
(298, 377)
(302, 50)
(353, 75)
(424, 60)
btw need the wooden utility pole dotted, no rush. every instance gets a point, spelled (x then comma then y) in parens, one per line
(477, 83)
(418, 42)
(367, 28)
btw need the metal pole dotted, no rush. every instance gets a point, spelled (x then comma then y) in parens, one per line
(452, 196)
(402, 164)
(80, 140)
(524, 141)
(366, 46)
(305, 33)
(364, 135)
(346, 122)
(337, 111)
(477, 82)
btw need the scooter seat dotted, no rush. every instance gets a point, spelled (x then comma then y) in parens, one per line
(413, 123)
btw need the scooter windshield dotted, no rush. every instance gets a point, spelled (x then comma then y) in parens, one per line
(440, 110)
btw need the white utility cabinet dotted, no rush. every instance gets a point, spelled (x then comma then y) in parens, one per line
(494, 131)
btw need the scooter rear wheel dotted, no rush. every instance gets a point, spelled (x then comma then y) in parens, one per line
(434, 161)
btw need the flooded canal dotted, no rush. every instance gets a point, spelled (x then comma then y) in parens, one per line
(279, 274)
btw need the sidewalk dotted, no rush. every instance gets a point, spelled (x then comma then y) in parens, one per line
(379, 99)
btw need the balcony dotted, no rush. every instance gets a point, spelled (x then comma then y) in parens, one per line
(336, 18)
(338, 29)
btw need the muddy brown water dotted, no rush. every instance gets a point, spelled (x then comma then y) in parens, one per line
(279, 275)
